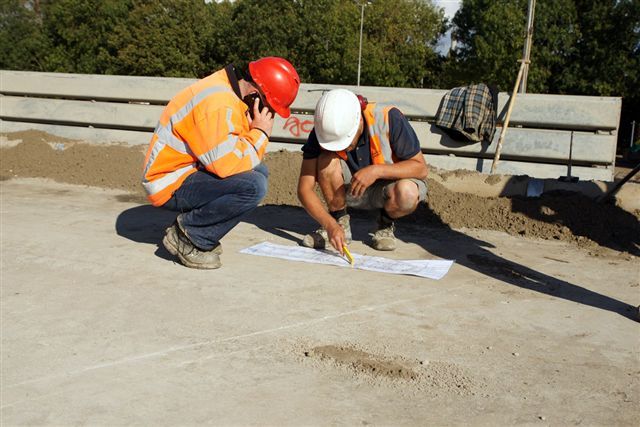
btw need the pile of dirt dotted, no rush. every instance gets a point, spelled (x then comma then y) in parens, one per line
(563, 216)
(556, 215)
(41, 155)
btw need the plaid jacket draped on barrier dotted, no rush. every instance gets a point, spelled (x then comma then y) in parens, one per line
(469, 113)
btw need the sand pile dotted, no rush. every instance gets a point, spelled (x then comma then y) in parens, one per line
(564, 216)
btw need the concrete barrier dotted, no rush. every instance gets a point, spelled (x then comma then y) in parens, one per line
(547, 132)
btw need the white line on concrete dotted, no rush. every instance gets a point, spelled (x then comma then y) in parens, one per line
(174, 349)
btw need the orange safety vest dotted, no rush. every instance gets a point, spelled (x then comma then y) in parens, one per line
(203, 126)
(376, 119)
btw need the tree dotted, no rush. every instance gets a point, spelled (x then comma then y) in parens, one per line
(262, 28)
(321, 38)
(594, 52)
(216, 50)
(490, 38)
(556, 32)
(399, 45)
(162, 38)
(327, 51)
(78, 31)
(580, 47)
(23, 44)
(606, 60)
(192, 38)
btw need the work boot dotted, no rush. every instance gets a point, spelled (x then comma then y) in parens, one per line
(178, 244)
(319, 239)
(383, 239)
(170, 240)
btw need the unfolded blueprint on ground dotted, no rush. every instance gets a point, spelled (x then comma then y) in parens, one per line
(431, 269)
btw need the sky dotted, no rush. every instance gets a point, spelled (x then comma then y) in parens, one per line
(450, 8)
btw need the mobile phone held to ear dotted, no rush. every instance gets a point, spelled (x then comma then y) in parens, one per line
(250, 100)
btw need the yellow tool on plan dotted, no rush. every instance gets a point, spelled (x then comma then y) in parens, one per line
(348, 255)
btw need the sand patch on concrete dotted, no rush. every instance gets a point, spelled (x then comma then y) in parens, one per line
(557, 215)
(364, 362)
(434, 376)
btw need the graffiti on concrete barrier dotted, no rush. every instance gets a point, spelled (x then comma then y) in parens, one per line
(295, 126)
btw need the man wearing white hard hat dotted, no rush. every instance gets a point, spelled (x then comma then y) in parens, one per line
(365, 156)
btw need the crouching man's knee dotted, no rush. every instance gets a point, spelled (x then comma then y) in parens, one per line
(403, 197)
(254, 189)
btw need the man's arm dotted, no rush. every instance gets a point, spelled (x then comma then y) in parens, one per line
(414, 167)
(225, 142)
(405, 146)
(313, 205)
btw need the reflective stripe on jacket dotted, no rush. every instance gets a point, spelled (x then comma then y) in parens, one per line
(377, 120)
(204, 126)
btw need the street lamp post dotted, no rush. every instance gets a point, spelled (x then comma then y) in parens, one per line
(362, 5)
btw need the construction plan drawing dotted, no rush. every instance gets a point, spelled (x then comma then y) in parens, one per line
(431, 269)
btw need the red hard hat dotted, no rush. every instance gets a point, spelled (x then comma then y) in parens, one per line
(278, 80)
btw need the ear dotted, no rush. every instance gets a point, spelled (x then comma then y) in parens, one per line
(363, 102)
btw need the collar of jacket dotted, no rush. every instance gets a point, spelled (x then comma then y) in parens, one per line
(364, 137)
(234, 75)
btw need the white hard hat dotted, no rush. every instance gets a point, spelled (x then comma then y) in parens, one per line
(337, 119)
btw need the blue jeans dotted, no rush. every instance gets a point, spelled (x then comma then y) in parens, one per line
(211, 206)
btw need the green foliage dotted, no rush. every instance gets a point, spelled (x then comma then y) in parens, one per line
(490, 36)
(607, 59)
(217, 50)
(262, 29)
(165, 37)
(78, 31)
(22, 42)
(327, 51)
(579, 46)
(192, 38)
(399, 49)
(322, 39)
(594, 52)
(608, 51)
(556, 33)
(582, 47)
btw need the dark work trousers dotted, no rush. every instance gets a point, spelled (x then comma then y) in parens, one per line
(211, 206)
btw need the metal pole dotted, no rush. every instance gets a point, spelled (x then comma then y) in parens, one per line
(360, 49)
(526, 54)
(633, 133)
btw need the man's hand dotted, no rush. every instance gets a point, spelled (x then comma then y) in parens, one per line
(262, 120)
(336, 236)
(362, 179)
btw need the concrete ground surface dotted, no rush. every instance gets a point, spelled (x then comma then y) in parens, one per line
(101, 327)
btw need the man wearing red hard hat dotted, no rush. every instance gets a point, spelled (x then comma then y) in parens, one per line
(205, 156)
(363, 155)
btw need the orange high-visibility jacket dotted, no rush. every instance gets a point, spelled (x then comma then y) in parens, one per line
(204, 126)
(376, 119)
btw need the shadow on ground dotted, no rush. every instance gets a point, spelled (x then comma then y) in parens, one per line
(604, 223)
(444, 242)
(146, 224)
